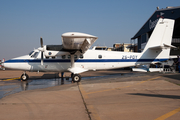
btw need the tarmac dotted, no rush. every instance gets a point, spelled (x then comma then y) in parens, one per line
(105, 95)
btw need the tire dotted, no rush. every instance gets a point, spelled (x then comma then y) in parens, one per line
(24, 77)
(76, 78)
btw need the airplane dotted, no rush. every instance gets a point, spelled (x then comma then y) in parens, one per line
(75, 56)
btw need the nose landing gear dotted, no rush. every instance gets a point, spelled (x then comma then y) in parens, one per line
(24, 76)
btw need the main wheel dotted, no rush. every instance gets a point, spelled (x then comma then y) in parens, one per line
(76, 78)
(24, 77)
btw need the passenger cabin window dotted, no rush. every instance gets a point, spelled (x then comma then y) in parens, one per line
(81, 56)
(69, 57)
(75, 56)
(100, 56)
(63, 56)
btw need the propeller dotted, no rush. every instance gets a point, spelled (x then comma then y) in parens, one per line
(41, 41)
(2, 64)
(42, 50)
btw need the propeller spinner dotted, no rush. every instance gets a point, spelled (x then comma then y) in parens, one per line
(2, 64)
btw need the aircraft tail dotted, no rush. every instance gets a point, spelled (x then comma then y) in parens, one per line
(159, 44)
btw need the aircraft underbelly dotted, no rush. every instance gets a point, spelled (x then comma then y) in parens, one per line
(104, 65)
(51, 67)
(114, 65)
(34, 67)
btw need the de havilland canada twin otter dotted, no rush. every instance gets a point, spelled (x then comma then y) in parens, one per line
(75, 56)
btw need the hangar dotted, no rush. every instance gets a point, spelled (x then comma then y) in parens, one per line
(142, 36)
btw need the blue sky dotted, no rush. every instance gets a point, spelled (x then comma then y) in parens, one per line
(23, 22)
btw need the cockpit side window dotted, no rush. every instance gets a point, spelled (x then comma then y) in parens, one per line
(35, 54)
(31, 53)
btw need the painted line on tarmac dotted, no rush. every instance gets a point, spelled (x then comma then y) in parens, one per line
(124, 86)
(90, 108)
(11, 79)
(169, 114)
(83, 91)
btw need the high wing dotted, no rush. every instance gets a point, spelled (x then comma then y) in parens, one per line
(77, 41)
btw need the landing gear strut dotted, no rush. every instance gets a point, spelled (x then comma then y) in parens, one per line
(62, 78)
(24, 76)
(76, 77)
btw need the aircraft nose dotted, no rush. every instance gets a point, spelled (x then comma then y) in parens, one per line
(6, 64)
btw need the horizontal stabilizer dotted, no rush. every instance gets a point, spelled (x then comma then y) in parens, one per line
(162, 46)
(171, 46)
(77, 70)
(157, 47)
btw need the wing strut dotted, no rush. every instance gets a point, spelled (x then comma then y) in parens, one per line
(72, 60)
(74, 69)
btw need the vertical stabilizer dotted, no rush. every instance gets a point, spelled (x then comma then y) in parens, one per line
(159, 44)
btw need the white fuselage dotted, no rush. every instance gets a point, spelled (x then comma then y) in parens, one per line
(57, 58)
(91, 60)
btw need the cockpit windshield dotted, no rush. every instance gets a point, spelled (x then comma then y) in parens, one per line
(35, 54)
(31, 53)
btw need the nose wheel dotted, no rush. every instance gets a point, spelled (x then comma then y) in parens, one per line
(24, 77)
(76, 77)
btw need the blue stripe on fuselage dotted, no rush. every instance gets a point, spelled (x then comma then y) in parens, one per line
(82, 60)
(35, 60)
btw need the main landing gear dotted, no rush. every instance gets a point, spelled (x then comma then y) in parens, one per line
(76, 77)
(24, 76)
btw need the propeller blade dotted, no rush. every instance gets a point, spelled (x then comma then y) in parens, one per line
(41, 58)
(41, 42)
(3, 60)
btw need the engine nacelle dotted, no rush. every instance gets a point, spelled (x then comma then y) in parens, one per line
(75, 40)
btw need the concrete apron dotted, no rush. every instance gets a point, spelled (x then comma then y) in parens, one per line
(53, 103)
(149, 98)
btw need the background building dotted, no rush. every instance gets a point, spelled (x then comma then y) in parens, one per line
(125, 47)
(146, 30)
